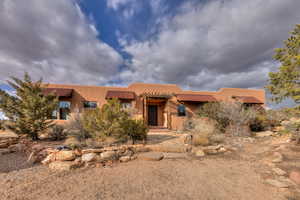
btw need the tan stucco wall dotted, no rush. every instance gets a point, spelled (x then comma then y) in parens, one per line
(165, 111)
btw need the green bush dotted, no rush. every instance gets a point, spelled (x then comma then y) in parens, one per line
(57, 133)
(134, 130)
(111, 121)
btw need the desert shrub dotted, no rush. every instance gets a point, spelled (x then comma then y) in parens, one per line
(212, 110)
(266, 120)
(57, 132)
(230, 116)
(111, 121)
(294, 129)
(134, 130)
(238, 116)
(105, 122)
(204, 131)
(75, 128)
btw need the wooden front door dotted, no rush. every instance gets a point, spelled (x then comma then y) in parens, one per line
(152, 115)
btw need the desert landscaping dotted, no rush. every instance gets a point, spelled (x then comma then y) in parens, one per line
(265, 166)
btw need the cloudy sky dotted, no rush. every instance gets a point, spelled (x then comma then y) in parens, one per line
(198, 44)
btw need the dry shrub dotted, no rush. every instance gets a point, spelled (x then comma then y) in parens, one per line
(204, 131)
(75, 128)
(73, 142)
(57, 132)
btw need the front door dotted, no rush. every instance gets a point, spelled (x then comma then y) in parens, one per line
(152, 115)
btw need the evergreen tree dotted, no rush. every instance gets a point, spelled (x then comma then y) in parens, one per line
(286, 82)
(29, 110)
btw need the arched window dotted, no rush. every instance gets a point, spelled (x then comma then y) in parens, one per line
(181, 110)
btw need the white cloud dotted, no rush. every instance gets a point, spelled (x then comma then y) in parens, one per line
(218, 44)
(55, 40)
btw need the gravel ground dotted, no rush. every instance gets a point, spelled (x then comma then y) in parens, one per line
(209, 179)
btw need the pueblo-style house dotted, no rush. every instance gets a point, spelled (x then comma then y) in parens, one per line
(159, 105)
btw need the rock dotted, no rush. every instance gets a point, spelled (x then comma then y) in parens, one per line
(277, 157)
(199, 153)
(108, 155)
(133, 157)
(175, 155)
(279, 171)
(151, 156)
(141, 148)
(17, 148)
(92, 151)
(217, 138)
(264, 134)
(65, 156)
(50, 158)
(187, 138)
(37, 148)
(89, 157)
(222, 150)
(127, 153)
(125, 158)
(295, 177)
(277, 183)
(4, 151)
(62, 165)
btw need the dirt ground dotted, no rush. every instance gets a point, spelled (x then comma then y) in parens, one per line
(236, 176)
(209, 179)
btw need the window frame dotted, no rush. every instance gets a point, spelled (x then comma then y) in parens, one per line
(85, 103)
(179, 112)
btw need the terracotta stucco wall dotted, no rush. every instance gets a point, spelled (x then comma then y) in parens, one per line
(167, 111)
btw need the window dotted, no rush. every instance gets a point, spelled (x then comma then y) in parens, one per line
(181, 110)
(90, 104)
(126, 105)
(63, 111)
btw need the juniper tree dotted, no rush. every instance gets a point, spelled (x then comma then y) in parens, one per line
(29, 110)
(286, 82)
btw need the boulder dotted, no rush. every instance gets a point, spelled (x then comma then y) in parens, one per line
(141, 148)
(65, 156)
(295, 177)
(175, 155)
(17, 148)
(277, 183)
(89, 157)
(277, 157)
(222, 150)
(108, 155)
(279, 171)
(62, 165)
(4, 151)
(217, 138)
(187, 138)
(92, 151)
(151, 156)
(50, 158)
(125, 158)
(264, 134)
(199, 153)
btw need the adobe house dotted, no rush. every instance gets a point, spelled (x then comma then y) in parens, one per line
(159, 105)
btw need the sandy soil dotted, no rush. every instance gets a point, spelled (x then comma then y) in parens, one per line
(209, 179)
